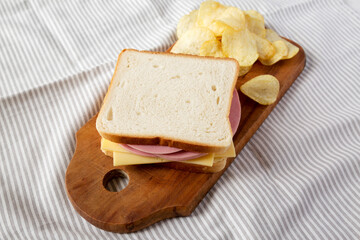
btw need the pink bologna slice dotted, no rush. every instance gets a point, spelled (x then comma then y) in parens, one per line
(137, 152)
(156, 149)
(176, 154)
(235, 112)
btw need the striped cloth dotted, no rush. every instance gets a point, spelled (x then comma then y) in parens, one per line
(297, 178)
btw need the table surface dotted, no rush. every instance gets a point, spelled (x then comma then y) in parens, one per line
(354, 4)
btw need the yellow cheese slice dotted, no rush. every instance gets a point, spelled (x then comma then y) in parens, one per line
(121, 159)
(115, 147)
(230, 152)
(111, 146)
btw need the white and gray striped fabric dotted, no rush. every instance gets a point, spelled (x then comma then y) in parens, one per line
(297, 178)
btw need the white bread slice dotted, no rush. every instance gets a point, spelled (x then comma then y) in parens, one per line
(169, 99)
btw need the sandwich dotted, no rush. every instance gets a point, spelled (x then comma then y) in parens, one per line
(177, 110)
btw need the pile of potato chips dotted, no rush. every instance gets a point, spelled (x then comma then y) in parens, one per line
(223, 31)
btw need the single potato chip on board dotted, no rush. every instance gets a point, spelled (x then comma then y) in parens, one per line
(263, 89)
(208, 12)
(211, 48)
(281, 50)
(192, 40)
(240, 45)
(255, 23)
(186, 23)
(272, 36)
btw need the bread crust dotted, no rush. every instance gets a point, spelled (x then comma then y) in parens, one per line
(185, 145)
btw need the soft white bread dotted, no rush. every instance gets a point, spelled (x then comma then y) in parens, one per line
(168, 99)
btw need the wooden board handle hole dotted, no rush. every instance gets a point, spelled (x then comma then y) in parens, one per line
(115, 180)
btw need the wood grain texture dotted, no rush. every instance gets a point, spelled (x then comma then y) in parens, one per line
(156, 192)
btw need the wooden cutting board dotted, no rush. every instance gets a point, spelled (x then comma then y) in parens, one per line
(155, 192)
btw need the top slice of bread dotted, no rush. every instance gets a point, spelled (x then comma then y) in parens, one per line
(169, 99)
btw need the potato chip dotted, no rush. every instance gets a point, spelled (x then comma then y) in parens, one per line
(191, 41)
(255, 15)
(186, 23)
(233, 17)
(272, 36)
(264, 47)
(211, 48)
(255, 22)
(263, 89)
(281, 50)
(218, 28)
(244, 70)
(292, 50)
(208, 12)
(240, 45)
